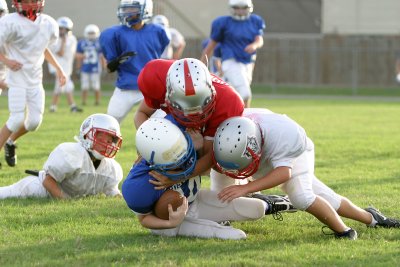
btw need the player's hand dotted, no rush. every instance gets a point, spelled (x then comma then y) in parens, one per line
(13, 64)
(161, 181)
(176, 217)
(62, 79)
(231, 192)
(197, 138)
(251, 48)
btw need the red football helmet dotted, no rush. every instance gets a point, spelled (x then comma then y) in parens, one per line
(29, 8)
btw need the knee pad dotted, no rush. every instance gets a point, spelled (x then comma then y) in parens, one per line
(209, 207)
(302, 201)
(32, 124)
(15, 121)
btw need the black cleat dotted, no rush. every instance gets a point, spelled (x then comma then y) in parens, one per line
(382, 220)
(75, 109)
(276, 205)
(350, 234)
(9, 154)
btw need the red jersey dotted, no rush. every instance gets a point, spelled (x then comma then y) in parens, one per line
(152, 83)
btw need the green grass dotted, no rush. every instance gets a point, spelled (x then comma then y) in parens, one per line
(357, 154)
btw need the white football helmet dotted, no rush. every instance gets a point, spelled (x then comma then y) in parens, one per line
(3, 8)
(161, 20)
(29, 9)
(190, 95)
(166, 148)
(91, 32)
(237, 147)
(100, 147)
(65, 22)
(131, 12)
(241, 9)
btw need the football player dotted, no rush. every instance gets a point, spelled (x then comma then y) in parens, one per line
(166, 147)
(175, 48)
(197, 99)
(78, 169)
(275, 150)
(26, 36)
(64, 51)
(90, 62)
(127, 48)
(3, 85)
(240, 35)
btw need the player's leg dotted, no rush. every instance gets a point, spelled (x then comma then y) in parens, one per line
(56, 95)
(95, 81)
(236, 74)
(69, 91)
(85, 84)
(122, 102)
(17, 98)
(30, 186)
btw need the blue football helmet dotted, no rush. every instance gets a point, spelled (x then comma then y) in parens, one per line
(131, 12)
(166, 148)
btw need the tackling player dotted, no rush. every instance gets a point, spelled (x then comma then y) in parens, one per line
(275, 150)
(240, 35)
(127, 48)
(166, 147)
(78, 169)
(26, 36)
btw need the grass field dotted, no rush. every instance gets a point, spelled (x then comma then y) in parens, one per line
(357, 154)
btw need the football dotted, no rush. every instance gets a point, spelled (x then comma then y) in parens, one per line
(168, 197)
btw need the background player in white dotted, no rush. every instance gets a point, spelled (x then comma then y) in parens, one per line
(79, 169)
(90, 62)
(175, 48)
(3, 85)
(127, 48)
(168, 148)
(64, 51)
(240, 35)
(26, 36)
(275, 150)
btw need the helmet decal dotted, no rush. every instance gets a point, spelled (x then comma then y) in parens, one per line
(189, 88)
(251, 146)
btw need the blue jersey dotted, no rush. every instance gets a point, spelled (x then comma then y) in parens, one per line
(91, 51)
(148, 42)
(139, 193)
(235, 35)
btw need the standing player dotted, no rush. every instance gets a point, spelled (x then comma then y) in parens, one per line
(90, 62)
(26, 35)
(64, 51)
(275, 150)
(175, 48)
(127, 48)
(163, 146)
(240, 35)
(3, 85)
(78, 169)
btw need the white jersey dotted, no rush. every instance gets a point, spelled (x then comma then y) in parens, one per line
(25, 41)
(71, 166)
(67, 60)
(177, 40)
(3, 68)
(284, 140)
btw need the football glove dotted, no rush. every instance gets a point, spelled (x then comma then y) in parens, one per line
(114, 64)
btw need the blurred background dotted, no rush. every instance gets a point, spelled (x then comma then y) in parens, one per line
(308, 43)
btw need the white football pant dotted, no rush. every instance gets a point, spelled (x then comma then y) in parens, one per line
(30, 186)
(67, 88)
(90, 81)
(239, 76)
(122, 101)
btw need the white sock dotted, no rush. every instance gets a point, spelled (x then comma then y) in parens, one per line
(373, 222)
(10, 142)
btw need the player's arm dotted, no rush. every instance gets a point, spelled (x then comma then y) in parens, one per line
(78, 60)
(207, 52)
(10, 63)
(60, 73)
(175, 218)
(142, 114)
(52, 187)
(256, 44)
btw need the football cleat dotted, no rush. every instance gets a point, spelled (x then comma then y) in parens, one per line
(350, 234)
(382, 220)
(9, 154)
(75, 109)
(276, 205)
